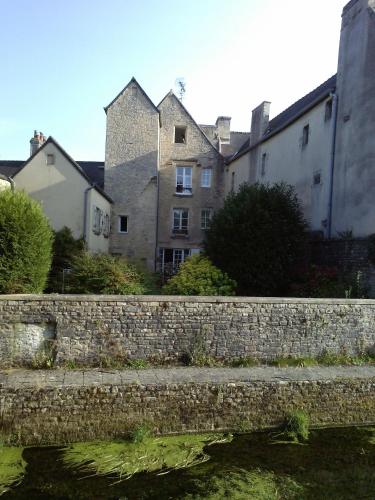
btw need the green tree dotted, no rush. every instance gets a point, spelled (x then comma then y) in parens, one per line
(65, 248)
(25, 244)
(104, 274)
(259, 238)
(198, 276)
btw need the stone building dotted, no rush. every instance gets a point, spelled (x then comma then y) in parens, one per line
(165, 174)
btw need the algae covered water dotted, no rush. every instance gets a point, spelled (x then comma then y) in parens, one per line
(333, 464)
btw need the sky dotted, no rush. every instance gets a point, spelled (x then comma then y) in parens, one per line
(62, 61)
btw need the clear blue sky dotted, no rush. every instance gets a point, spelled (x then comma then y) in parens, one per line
(62, 61)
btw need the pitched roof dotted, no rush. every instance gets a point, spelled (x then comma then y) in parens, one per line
(133, 80)
(94, 170)
(10, 167)
(172, 94)
(93, 167)
(291, 114)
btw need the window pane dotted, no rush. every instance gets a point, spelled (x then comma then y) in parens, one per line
(206, 177)
(123, 224)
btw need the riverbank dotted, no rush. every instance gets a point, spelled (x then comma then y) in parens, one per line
(40, 407)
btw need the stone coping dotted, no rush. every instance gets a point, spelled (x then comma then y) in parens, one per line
(56, 379)
(121, 299)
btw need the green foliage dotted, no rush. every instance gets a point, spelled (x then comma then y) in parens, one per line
(246, 362)
(12, 467)
(65, 248)
(124, 459)
(137, 364)
(258, 238)
(104, 274)
(297, 426)
(242, 484)
(328, 282)
(198, 276)
(342, 359)
(140, 433)
(25, 244)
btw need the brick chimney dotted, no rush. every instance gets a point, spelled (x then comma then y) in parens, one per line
(35, 142)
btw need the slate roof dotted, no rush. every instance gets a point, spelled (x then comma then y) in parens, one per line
(10, 167)
(94, 170)
(291, 114)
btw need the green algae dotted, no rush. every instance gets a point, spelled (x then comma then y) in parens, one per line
(256, 484)
(124, 459)
(12, 467)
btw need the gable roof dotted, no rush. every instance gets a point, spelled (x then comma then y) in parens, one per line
(51, 140)
(291, 114)
(9, 168)
(133, 80)
(173, 95)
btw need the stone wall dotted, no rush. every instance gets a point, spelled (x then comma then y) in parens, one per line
(55, 407)
(90, 329)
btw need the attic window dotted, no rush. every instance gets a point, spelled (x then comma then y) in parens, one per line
(50, 159)
(180, 135)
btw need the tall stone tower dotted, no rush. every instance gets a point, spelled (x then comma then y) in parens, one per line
(131, 173)
(354, 174)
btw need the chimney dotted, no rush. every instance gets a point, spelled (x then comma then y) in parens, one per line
(259, 122)
(223, 130)
(36, 142)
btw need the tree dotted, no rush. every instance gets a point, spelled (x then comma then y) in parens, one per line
(259, 238)
(104, 274)
(198, 276)
(25, 244)
(65, 248)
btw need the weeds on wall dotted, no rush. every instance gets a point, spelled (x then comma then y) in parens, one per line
(295, 428)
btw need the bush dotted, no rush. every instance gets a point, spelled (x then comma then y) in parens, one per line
(65, 248)
(198, 276)
(259, 238)
(104, 274)
(25, 244)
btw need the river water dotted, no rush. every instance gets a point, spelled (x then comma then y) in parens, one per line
(332, 464)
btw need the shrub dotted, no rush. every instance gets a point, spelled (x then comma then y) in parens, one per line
(198, 276)
(297, 426)
(259, 238)
(104, 274)
(65, 248)
(25, 244)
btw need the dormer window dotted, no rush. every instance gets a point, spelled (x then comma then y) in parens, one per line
(180, 135)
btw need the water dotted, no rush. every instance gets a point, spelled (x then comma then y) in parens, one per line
(334, 464)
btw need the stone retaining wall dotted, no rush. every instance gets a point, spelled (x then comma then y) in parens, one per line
(86, 330)
(56, 407)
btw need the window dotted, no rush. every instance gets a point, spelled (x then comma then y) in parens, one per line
(183, 180)
(171, 258)
(122, 223)
(97, 222)
(180, 221)
(180, 135)
(206, 215)
(305, 135)
(264, 161)
(317, 179)
(328, 111)
(50, 159)
(106, 226)
(206, 177)
(233, 179)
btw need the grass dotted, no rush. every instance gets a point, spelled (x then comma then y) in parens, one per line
(12, 467)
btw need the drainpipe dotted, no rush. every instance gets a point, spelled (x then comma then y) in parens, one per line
(157, 203)
(332, 161)
(85, 212)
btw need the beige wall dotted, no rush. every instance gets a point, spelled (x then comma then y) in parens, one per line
(60, 189)
(237, 171)
(288, 160)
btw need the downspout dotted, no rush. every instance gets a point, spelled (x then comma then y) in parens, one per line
(332, 161)
(85, 212)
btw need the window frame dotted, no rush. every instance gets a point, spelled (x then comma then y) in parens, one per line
(97, 221)
(206, 170)
(52, 157)
(305, 135)
(186, 189)
(182, 226)
(119, 217)
(204, 221)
